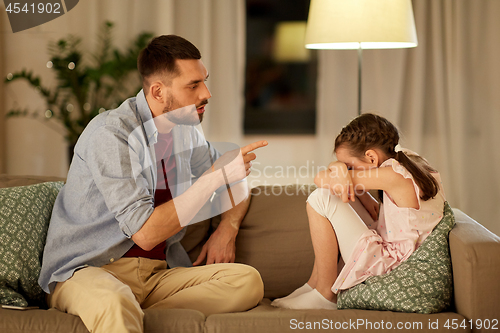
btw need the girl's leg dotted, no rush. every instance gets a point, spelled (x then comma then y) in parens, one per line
(325, 267)
(313, 280)
(326, 252)
(307, 287)
(347, 219)
(329, 218)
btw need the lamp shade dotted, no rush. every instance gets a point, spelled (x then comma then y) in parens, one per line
(369, 24)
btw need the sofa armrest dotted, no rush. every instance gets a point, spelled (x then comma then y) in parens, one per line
(475, 255)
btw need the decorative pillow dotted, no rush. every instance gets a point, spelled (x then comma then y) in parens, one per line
(24, 219)
(421, 284)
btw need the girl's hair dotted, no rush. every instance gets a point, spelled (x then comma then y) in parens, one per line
(370, 131)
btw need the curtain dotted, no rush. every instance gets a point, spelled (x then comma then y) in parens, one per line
(443, 96)
(214, 26)
(2, 112)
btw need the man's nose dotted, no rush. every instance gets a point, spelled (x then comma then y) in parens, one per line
(205, 93)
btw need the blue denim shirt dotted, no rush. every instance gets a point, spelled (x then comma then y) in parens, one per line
(109, 192)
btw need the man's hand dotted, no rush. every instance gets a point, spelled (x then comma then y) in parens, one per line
(220, 247)
(237, 163)
(248, 157)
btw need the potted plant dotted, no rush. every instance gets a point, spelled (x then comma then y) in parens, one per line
(84, 88)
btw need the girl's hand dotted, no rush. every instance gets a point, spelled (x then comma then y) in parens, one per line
(340, 181)
(371, 205)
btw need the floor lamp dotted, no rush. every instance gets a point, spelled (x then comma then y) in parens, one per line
(360, 24)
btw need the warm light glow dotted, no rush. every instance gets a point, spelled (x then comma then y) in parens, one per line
(376, 24)
(289, 42)
(355, 46)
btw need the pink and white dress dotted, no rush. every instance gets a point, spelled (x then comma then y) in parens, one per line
(394, 237)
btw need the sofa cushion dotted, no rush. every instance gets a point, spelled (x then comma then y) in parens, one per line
(267, 319)
(55, 321)
(274, 238)
(422, 283)
(24, 218)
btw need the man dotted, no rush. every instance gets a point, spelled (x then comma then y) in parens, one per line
(116, 223)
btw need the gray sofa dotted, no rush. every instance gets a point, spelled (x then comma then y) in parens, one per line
(274, 238)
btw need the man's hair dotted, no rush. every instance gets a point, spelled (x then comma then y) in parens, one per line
(160, 55)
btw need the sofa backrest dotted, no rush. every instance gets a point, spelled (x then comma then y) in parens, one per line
(274, 237)
(11, 181)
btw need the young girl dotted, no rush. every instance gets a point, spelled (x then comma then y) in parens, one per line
(343, 215)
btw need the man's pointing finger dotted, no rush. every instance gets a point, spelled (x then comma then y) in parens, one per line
(253, 146)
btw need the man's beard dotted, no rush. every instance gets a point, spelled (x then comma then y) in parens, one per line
(186, 115)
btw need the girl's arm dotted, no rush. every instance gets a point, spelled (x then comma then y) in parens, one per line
(371, 205)
(338, 180)
(346, 183)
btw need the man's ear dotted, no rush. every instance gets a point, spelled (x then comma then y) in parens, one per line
(157, 91)
(372, 157)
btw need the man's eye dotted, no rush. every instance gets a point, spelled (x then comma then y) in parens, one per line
(349, 167)
(194, 87)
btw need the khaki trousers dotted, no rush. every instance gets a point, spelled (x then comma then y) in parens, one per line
(111, 298)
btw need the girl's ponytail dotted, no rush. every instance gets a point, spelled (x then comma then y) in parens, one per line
(421, 172)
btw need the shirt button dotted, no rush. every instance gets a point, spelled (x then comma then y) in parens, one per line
(112, 259)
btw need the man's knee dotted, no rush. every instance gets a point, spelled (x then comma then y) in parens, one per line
(101, 309)
(250, 290)
(254, 284)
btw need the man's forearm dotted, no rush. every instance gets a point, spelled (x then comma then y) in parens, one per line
(234, 216)
(170, 217)
(220, 247)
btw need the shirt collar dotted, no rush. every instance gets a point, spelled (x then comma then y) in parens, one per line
(147, 117)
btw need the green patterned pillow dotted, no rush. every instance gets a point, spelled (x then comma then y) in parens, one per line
(421, 284)
(24, 219)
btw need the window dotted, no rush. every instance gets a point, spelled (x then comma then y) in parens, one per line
(280, 80)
